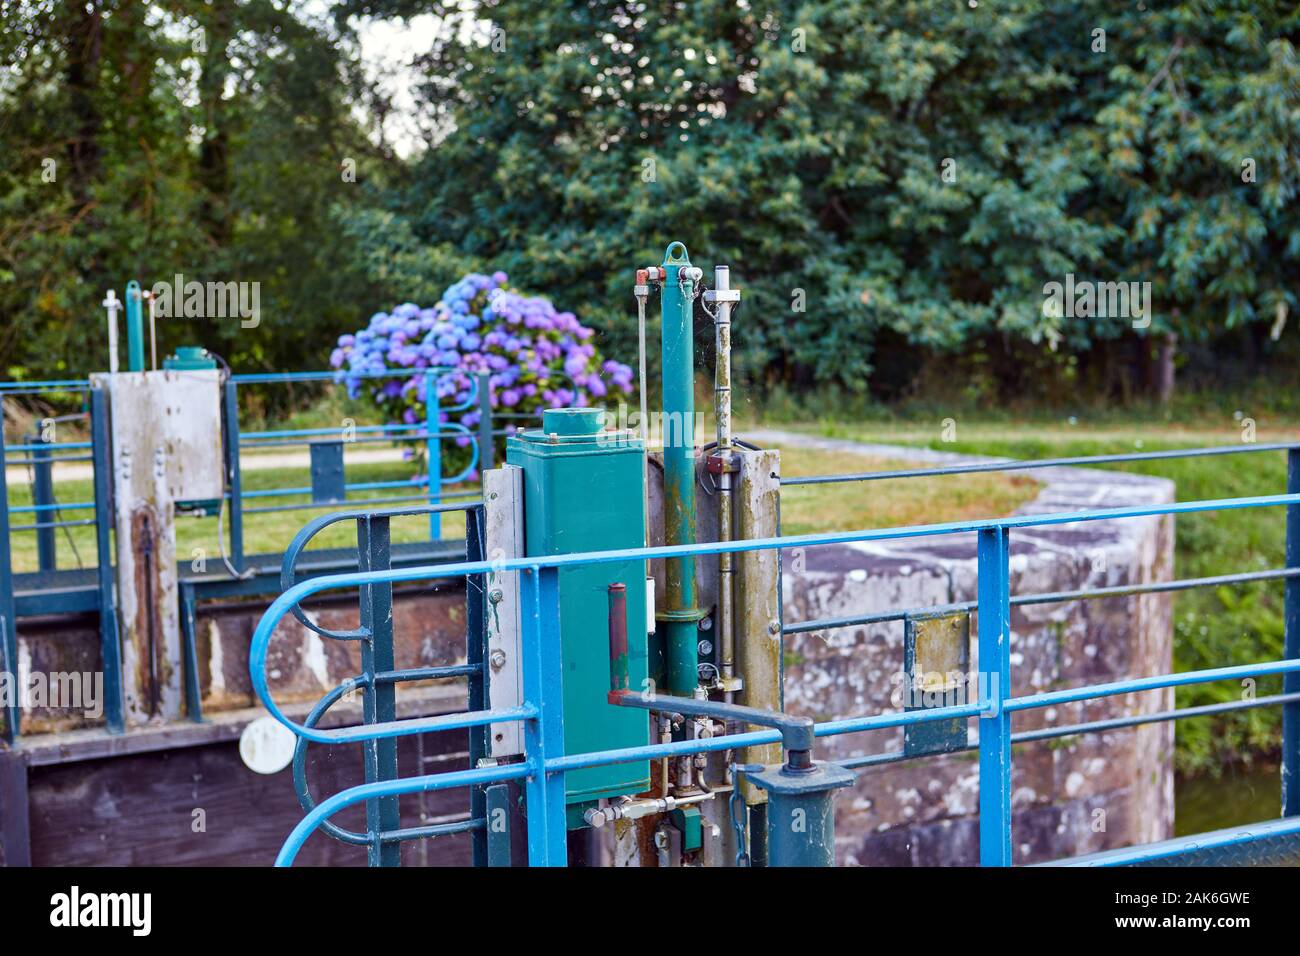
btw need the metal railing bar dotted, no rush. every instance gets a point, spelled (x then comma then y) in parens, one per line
(1053, 597)
(412, 725)
(18, 388)
(58, 506)
(339, 376)
(307, 505)
(1116, 723)
(1074, 730)
(435, 672)
(50, 446)
(460, 569)
(1137, 684)
(52, 524)
(432, 830)
(286, 492)
(1022, 465)
(48, 461)
(334, 430)
(362, 440)
(1146, 852)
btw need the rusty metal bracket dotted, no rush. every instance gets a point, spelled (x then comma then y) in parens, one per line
(936, 662)
(722, 464)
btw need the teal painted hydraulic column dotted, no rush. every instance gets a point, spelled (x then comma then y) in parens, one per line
(679, 616)
(134, 328)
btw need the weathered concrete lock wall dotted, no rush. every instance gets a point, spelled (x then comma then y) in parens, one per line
(1070, 795)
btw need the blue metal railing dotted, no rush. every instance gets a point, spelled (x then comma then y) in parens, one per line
(544, 764)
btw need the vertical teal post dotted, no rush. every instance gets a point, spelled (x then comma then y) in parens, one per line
(995, 674)
(543, 675)
(680, 616)
(433, 449)
(378, 699)
(47, 515)
(1291, 646)
(486, 451)
(8, 631)
(134, 328)
(110, 646)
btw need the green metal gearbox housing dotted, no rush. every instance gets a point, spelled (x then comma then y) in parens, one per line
(584, 490)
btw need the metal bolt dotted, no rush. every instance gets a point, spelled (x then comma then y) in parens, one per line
(495, 595)
(498, 659)
(774, 628)
(705, 648)
(706, 624)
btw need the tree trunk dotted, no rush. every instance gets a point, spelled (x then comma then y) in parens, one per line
(1165, 368)
(84, 41)
(214, 152)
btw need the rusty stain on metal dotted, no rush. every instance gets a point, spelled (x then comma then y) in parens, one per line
(619, 681)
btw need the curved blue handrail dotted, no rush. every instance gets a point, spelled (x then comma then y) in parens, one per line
(318, 712)
(288, 566)
(394, 788)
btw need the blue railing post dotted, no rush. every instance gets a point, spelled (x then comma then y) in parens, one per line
(995, 675)
(8, 626)
(109, 642)
(234, 484)
(43, 497)
(1291, 647)
(379, 700)
(486, 451)
(544, 735)
(433, 450)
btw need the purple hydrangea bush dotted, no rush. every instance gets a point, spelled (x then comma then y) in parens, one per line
(535, 357)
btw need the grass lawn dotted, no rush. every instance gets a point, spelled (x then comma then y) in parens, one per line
(808, 509)
(1213, 627)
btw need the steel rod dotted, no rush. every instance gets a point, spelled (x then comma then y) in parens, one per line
(1074, 730)
(1013, 465)
(1121, 590)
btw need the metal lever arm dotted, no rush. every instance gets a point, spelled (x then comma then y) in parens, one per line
(796, 731)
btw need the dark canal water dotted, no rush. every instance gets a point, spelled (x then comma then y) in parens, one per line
(1240, 795)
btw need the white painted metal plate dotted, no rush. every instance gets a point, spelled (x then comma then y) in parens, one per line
(503, 495)
(165, 429)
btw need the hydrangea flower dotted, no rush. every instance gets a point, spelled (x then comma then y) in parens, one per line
(535, 356)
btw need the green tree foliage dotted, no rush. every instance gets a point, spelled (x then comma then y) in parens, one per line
(146, 139)
(917, 169)
(887, 179)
